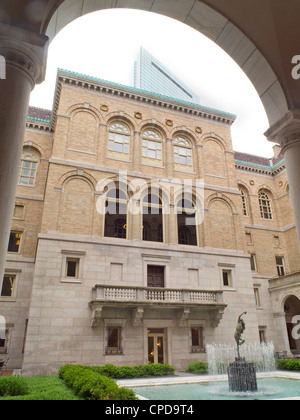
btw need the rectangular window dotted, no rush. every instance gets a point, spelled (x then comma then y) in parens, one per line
(262, 335)
(197, 339)
(19, 211)
(8, 285)
(257, 296)
(280, 266)
(14, 242)
(227, 278)
(72, 268)
(253, 262)
(114, 345)
(2, 343)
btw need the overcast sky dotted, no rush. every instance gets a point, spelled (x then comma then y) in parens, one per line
(105, 44)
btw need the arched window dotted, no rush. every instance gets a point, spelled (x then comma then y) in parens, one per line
(119, 138)
(120, 228)
(265, 205)
(244, 202)
(116, 213)
(152, 145)
(186, 221)
(183, 153)
(153, 230)
(28, 168)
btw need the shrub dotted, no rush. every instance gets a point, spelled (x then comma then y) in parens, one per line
(135, 371)
(292, 364)
(88, 384)
(197, 367)
(13, 386)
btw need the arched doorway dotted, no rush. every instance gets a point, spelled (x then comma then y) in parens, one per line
(292, 309)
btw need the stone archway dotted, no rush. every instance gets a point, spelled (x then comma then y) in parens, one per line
(262, 37)
(204, 19)
(292, 309)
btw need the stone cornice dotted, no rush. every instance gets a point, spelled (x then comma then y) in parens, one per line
(143, 97)
(286, 131)
(24, 50)
(259, 169)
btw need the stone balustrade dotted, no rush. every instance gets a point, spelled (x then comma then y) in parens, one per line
(120, 294)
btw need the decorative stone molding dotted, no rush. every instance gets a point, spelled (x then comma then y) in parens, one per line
(137, 317)
(286, 132)
(184, 317)
(24, 50)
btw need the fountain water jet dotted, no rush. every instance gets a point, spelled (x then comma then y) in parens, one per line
(241, 373)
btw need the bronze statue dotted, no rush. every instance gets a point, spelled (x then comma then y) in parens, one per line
(240, 329)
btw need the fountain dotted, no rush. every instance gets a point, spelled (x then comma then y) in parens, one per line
(251, 358)
(241, 374)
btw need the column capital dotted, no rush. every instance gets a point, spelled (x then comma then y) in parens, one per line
(286, 131)
(24, 50)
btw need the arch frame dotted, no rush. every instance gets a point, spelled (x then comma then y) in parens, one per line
(204, 18)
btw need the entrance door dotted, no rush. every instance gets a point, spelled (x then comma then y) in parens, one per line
(156, 276)
(156, 346)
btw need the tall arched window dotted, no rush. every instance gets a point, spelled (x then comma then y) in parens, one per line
(28, 168)
(186, 221)
(265, 205)
(183, 153)
(116, 213)
(244, 201)
(152, 145)
(153, 217)
(119, 138)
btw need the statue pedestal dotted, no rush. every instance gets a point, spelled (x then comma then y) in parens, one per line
(242, 376)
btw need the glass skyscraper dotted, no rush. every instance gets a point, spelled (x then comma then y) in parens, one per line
(153, 76)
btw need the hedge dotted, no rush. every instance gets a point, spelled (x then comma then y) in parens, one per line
(144, 371)
(291, 364)
(197, 367)
(90, 385)
(13, 386)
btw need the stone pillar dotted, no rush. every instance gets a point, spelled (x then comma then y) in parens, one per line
(25, 58)
(136, 158)
(282, 339)
(169, 158)
(286, 132)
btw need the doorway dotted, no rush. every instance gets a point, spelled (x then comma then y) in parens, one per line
(156, 276)
(156, 345)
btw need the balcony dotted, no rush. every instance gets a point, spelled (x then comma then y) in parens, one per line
(138, 299)
(288, 281)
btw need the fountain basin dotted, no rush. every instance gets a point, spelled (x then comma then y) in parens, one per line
(277, 386)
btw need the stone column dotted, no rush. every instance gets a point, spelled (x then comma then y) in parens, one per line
(25, 59)
(286, 132)
(136, 158)
(169, 158)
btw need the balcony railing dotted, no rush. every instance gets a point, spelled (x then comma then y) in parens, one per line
(120, 294)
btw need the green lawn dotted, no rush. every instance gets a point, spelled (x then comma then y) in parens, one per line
(45, 388)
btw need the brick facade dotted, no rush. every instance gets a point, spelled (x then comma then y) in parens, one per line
(53, 318)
